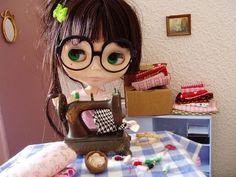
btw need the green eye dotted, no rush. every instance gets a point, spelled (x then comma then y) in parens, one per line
(76, 55)
(115, 58)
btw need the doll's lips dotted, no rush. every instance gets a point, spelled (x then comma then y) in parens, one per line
(95, 78)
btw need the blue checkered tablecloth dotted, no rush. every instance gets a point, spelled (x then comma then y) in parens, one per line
(180, 161)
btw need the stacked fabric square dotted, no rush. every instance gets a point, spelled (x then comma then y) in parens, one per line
(194, 99)
(155, 76)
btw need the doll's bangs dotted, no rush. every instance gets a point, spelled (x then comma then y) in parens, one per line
(95, 22)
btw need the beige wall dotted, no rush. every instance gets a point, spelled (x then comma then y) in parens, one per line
(208, 55)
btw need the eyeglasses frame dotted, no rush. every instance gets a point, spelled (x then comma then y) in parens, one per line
(94, 53)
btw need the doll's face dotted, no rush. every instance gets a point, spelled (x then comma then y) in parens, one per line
(95, 63)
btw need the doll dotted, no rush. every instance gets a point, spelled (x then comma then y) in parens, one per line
(91, 42)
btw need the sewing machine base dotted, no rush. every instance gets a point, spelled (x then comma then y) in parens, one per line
(118, 142)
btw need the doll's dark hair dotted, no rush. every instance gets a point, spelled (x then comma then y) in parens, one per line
(111, 19)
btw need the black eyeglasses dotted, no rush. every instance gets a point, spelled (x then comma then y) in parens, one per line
(77, 53)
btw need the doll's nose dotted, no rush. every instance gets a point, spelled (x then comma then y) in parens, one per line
(95, 65)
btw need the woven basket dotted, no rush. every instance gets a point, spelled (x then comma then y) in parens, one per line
(92, 168)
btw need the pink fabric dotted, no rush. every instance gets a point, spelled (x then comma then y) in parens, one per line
(179, 112)
(192, 87)
(87, 117)
(67, 172)
(183, 107)
(200, 104)
(154, 81)
(46, 162)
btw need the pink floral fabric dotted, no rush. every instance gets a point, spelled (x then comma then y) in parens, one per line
(67, 172)
(45, 162)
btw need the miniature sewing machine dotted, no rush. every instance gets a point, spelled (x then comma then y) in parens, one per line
(83, 140)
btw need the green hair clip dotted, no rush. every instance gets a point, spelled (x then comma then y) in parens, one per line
(60, 13)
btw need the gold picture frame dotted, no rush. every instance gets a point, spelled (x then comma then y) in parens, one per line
(9, 26)
(178, 25)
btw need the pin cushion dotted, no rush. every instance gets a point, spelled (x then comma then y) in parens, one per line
(96, 162)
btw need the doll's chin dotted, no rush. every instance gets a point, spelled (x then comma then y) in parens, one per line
(97, 82)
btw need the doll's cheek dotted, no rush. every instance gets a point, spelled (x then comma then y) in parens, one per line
(95, 78)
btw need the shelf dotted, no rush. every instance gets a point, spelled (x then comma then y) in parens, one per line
(180, 117)
(198, 130)
(206, 145)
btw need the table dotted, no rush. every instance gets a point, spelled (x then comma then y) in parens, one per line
(183, 126)
(180, 160)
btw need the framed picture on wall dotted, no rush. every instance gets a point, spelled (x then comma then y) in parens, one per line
(178, 25)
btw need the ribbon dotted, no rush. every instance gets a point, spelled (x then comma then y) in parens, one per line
(60, 13)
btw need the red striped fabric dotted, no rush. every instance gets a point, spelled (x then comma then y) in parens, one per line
(200, 99)
(141, 75)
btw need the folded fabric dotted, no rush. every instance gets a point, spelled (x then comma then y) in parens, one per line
(192, 87)
(156, 69)
(183, 107)
(198, 104)
(179, 112)
(67, 172)
(192, 150)
(40, 162)
(191, 95)
(201, 99)
(154, 81)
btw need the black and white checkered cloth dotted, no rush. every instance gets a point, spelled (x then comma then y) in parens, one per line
(104, 121)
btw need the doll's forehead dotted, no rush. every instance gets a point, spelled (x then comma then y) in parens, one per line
(97, 45)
